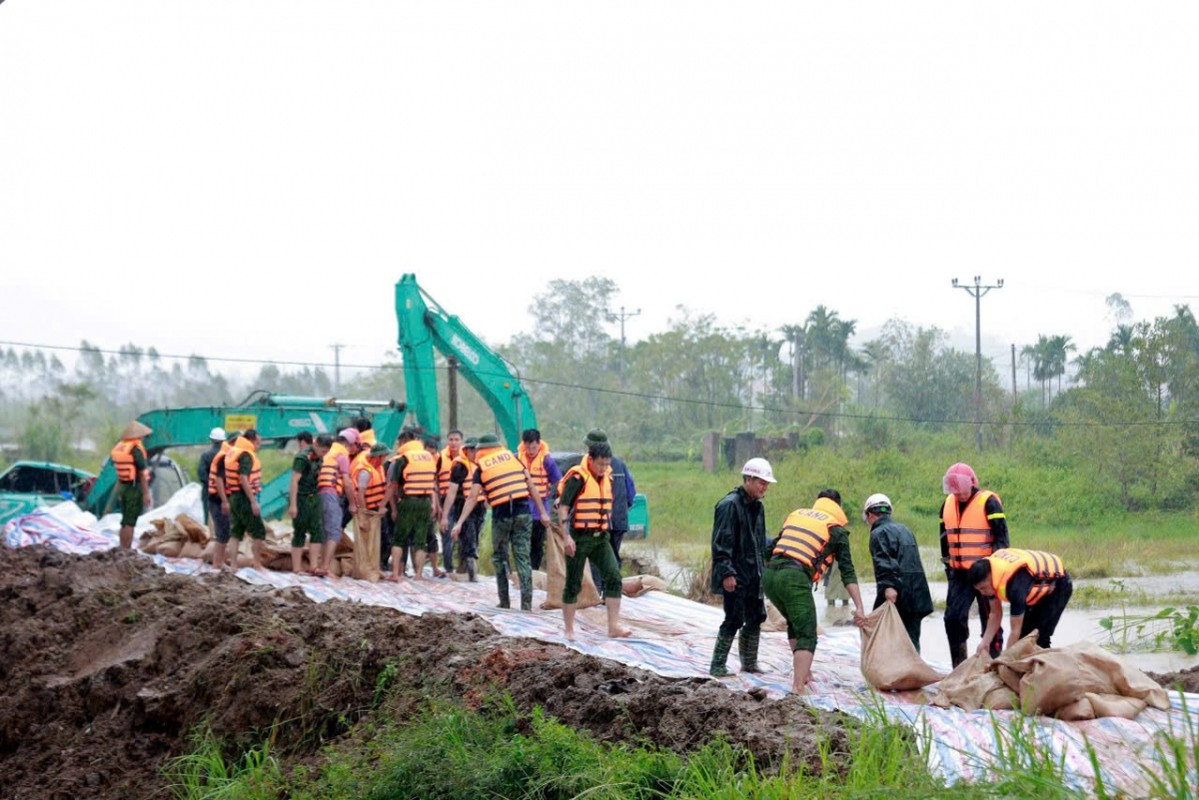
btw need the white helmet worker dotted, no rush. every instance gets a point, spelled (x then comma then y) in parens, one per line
(878, 503)
(217, 435)
(759, 468)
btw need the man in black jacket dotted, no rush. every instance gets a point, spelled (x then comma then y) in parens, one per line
(216, 438)
(738, 545)
(898, 571)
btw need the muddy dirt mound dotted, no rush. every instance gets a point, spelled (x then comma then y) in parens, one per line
(109, 664)
(1187, 680)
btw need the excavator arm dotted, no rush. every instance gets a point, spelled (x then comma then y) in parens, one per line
(423, 326)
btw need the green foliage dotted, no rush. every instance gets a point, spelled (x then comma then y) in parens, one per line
(1171, 629)
(205, 774)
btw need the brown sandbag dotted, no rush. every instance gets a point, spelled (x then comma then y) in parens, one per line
(192, 550)
(170, 549)
(637, 585)
(555, 571)
(889, 660)
(366, 547)
(209, 550)
(775, 621)
(194, 530)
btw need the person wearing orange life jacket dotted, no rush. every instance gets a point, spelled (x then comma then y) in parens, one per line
(304, 506)
(458, 487)
(411, 494)
(973, 525)
(335, 488)
(1036, 585)
(133, 478)
(811, 540)
(216, 440)
(535, 455)
(585, 508)
(445, 465)
(243, 472)
(218, 506)
(509, 489)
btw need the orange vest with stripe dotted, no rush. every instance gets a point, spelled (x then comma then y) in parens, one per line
(420, 473)
(535, 464)
(1045, 569)
(807, 532)
(329, 476)
(122, 459)
(217, 461)
(233, 469)
(375, 487)
(969, 535)
(445, 465)
(502, 475)
(593, 505)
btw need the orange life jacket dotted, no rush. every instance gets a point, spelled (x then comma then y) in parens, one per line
(445, 464)
(806, 533)
(593, 505)
(218, 461)
(233, 469)
(502, 475)
(420, 471)
(329, 476)
(969, 535)
(375, 487)
(1045, 569)
(123, 461)
(535, 464)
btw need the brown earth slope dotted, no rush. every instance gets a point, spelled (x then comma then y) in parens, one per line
(109, 664)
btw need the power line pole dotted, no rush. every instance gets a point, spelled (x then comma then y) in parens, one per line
(623, 315)
(337, 367)
(977, 291)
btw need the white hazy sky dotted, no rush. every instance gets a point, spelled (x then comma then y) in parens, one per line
(291, 159)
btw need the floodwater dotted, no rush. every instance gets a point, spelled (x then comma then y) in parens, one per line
(1076, 623)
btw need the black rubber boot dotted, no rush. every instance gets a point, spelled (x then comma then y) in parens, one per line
(747, 648)
(526, 592)
(720, 655)
(958, 653)
(470, 570)
(501, 585)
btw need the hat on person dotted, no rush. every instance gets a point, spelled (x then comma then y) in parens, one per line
(759, 468)
(470, 443)
(349, 434)
(366, 436)
(959, 478)
(379, 449)
(135, 430)
(595, 435)
(877, 503)
(488, 440)
(216, 435)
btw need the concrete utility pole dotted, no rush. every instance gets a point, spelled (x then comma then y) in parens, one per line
(623, 315)
(977, 291)
(337, 367)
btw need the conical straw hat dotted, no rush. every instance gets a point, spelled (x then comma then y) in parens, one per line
(135, 430)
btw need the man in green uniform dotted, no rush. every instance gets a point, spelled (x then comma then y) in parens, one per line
(898, 571)
(133, 478)
(244, 484)
(304, 507)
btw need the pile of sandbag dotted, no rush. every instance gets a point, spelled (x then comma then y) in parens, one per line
(1076, 682)
(181, 537)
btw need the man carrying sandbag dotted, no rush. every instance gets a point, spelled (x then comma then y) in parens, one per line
(1034, 582)
(898, 572)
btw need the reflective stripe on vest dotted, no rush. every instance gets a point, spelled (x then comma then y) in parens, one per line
(535, 464)
(329, 476)
(375, 487)
(502, 475)
(970, 535)
(806, 533)
(420, 473)
(232, 468)
(122, 459)
(1045, 569)
(217, 465)
(593, 505)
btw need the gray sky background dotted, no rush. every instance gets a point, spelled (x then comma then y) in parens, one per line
(251, 178)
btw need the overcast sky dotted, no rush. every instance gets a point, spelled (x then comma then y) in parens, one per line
(251, 178)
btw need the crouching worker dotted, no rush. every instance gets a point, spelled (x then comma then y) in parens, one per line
(585, 508)
(1034, 583)
(811, 540)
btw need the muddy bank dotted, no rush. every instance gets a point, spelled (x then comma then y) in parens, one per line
(109, 664)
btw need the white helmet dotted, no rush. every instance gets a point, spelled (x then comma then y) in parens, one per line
(759, 468)
(878, 503)
(216, 434)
